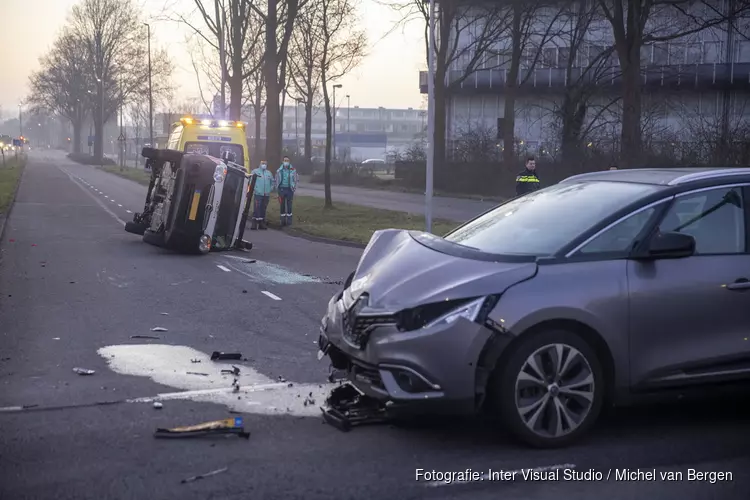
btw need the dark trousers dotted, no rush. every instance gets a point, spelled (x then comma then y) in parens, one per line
(286, 197)
(259, 207)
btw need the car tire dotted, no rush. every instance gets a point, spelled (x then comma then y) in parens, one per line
(511, 381)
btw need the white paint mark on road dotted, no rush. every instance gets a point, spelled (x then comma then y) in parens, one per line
(106, 196)
(11, 408)
(128, 211)
(225, 269)
(119, 205)
(101, 204)
(113, 201)
(269, 294)
(515, 475)
(169, 364)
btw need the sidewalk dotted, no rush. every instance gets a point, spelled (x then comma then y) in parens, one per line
(454, 209)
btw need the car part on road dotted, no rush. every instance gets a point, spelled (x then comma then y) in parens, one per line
(346, 407)
(227, 426)
(150, 337)
(234, 371)
(164, 314)
(203, 476)
(197, 373)
(83, 371)
(159, 329)
(158, 405)
(224, 356)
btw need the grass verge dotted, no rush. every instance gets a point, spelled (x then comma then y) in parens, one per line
(343, 222)
(9, 177)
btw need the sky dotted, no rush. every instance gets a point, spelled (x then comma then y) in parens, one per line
(388, 77)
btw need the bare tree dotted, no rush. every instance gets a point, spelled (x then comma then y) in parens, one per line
(466, 39)
(60, 86)
(111, 33)
(706, 138)
(476, 142)
(636, 23)
(255, 89)
(138, 113)
(279, 19)
(343, 48)
(305, 53)
(232, 28)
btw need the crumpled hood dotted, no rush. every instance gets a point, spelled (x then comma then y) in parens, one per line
(398, 271)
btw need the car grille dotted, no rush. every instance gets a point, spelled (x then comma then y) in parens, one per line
(357, 328)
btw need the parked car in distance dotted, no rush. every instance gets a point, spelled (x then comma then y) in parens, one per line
(372, 165)
(604, 289)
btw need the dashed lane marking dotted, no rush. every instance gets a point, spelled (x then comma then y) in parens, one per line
(119, 205)
(225, 269)
(271, 295)
(128, 211)
(105, 207)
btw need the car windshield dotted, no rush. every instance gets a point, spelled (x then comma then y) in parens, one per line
(215, 149)
(542, 223)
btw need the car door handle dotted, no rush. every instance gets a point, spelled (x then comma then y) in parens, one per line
(739, 285)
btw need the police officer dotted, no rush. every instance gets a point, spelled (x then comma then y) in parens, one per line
(264, 185)
(286, 184)
(527, 181)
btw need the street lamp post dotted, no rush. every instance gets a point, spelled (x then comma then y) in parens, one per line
(150, 94)
(430, 121)
(20, 121)
(348, 130)
(333, 138)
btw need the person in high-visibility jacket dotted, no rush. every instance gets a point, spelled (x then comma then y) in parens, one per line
(286, 184)
(527, 181)
(264, 186)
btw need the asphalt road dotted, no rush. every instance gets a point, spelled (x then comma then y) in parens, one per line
(74, 287)
(453, 209)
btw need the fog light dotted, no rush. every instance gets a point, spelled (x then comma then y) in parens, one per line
(412, 382)
(204, 244)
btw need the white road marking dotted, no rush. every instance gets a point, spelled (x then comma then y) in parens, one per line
(112, 201)
(106, 196)
(269, 294)
(225, 269)
(128, 211)
(119, 205)
(255, 393)
(101, 204)
(11, 408)
(517, 475)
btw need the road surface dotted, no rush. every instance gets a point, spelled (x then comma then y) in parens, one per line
(453, 209)
(74, 288)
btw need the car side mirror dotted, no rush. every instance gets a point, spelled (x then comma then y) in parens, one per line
(670, 246)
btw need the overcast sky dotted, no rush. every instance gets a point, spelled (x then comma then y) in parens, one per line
(388, 77)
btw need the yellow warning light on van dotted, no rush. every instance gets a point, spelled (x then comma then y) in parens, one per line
(186, 120)
(240, 125)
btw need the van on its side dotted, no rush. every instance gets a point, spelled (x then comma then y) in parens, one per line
(210, 137)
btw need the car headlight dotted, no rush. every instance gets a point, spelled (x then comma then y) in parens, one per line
(204, 244)
(220, 173)
(469, 311)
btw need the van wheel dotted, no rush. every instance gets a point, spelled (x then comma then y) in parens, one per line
(549, 391)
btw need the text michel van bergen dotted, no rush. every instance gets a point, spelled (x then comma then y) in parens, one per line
(572, 474)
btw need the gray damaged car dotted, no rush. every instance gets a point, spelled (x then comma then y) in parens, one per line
(601, 289)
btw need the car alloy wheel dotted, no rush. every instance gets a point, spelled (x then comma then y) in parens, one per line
(555, 390)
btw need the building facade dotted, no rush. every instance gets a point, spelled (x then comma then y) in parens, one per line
(360, 133)
(685, 80)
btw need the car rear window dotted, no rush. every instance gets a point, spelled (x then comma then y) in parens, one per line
(544, 222)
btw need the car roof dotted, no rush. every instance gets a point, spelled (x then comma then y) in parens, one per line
(661, 176)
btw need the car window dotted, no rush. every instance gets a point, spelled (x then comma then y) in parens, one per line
(621, 237)
(715, 218)
(543, 222)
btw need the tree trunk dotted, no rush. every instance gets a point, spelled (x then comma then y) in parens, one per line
(329, 132)
(77, 126)
(98, 137)
(630, 138)
(270, 71)
(573, 115)
(235, 93)
(308, 127)
(259, 153)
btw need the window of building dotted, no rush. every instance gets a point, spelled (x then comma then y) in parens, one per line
(712, 52)
(549, 58)
(660, 55)
(743, 51)
(676, 53)
(563, 56)
(694, 53)
(582, 56)
(360, 127)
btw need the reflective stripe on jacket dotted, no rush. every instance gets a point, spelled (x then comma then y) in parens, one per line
(527, 182)
(264, 184)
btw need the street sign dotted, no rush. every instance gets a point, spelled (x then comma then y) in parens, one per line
(17, 142)
(121, 138)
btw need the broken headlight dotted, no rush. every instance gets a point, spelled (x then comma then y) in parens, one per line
(426, 316)
(220, 173)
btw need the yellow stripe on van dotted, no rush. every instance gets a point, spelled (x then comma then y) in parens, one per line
(194, 205)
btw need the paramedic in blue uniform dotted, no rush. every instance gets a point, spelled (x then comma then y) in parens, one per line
(286, 185)
(264, 186)
(527, 181)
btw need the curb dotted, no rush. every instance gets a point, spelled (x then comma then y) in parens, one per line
(317, 239)
(4, 217)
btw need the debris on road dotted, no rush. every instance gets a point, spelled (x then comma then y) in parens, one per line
(195, 360)
(233, 371)
(281, 379)
(198, 373)
(347, 407)
(158, 405)
(55, 338)
(159, 329)
(202, 476)
(216, 355)
(83, 371)
(244, 291)
(164, 314)
(249, 261)
(227, 426)
(72, 282)
(309, 400)
(152, 337)
(235, 386)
